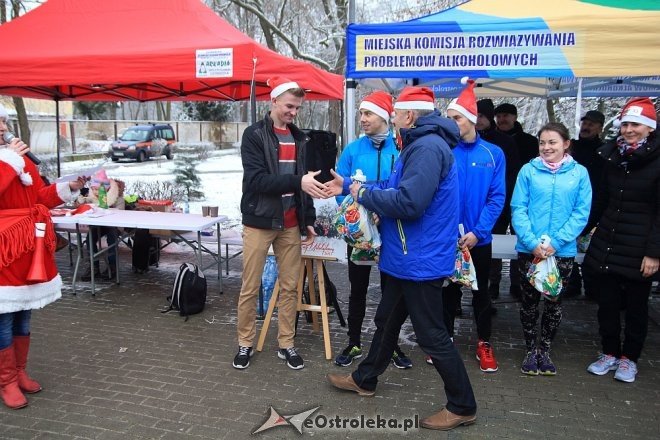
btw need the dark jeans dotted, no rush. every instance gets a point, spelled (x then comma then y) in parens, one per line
(616, 291)
(14, 324)
(481, 303)
(422, 300)
(495, 277)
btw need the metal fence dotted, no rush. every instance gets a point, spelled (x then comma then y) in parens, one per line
(79, 136)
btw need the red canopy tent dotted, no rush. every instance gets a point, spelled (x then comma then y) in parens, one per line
(144, 50)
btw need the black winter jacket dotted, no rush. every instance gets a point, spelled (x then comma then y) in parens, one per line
(263, 186)
(585, 152)
(627, 211)
(528, 145)
(508, 145)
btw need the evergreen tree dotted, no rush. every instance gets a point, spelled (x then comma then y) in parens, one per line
(186, 161)
(207, 110)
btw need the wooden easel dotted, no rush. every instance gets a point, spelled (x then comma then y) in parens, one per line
(307, 267)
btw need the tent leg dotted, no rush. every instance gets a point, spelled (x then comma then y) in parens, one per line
(578, 107)
(57, 136)
(350, 110)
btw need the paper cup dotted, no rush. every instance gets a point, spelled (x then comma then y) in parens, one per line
(205, 211)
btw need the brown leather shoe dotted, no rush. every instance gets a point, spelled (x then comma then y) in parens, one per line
(446, 420)
(346, 382)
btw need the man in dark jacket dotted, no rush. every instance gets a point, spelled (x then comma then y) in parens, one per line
(488, 131)
(276, 208)
(418, 211)
(527, 146)
(583, 150)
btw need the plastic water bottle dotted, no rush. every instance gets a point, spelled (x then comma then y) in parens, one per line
(268, 279)
(186, 205)
(359, 177)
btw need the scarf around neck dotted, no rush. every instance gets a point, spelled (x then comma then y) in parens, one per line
(554, 166)
(377, 139)
(626, 149)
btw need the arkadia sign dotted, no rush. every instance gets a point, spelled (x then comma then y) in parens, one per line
(309, 421)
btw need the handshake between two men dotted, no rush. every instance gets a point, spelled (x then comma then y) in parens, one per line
(334, 187)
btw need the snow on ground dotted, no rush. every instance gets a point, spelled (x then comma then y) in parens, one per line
(221, 176)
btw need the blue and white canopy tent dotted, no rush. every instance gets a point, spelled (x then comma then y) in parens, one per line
(517, 48)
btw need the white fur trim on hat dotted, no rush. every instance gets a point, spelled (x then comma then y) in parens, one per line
(462, 110)
(632, 116)
(414, 105)
(367, 105)
(277, 91)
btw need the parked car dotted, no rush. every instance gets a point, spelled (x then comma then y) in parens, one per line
(141, 142)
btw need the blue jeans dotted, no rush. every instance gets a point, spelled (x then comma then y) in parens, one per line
(13, 324)
(423, 302)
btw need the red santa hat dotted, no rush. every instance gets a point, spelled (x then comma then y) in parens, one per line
(280, 85)
(415, 98)
(466, 103)
(640, 110)
(379, 103)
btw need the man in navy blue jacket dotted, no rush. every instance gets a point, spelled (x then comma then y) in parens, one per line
(482, 189)
(418, 211)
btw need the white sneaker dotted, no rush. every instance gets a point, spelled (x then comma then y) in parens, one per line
(604, 364)
(627, 370)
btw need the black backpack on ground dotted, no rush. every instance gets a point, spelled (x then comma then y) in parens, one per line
(189, 292)
(145, 250)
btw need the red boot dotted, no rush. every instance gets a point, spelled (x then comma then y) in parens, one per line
(9, 391)
(21, 349)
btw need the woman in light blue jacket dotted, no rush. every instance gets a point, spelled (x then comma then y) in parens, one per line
(552, 197)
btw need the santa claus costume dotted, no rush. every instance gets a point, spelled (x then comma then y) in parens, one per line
(26, 282)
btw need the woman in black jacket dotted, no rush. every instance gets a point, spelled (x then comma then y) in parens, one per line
(625, 247)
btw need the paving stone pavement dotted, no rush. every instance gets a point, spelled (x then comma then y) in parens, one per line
(114, 367)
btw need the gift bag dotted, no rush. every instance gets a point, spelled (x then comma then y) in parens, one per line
(464, 271)
(365, 257)
(543, 274)
(583, 241)
(354, 223)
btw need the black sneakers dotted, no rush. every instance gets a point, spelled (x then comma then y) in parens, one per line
(242, 359)
(293, 360)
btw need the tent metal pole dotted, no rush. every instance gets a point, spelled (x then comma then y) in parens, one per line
(58, 143)
(253, 93)
(350, 110)
(253, 103)
(578, 106)
(350, 90)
